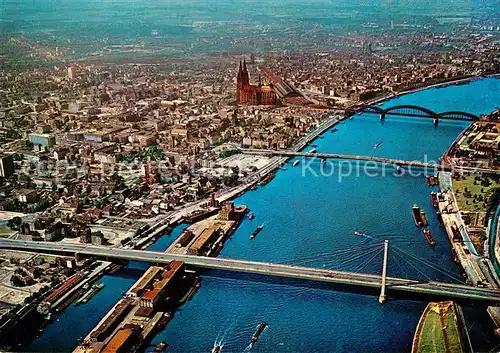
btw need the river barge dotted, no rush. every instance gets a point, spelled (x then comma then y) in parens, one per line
(262, 326)
(267, 179)
(432, 180)
(434, 199)
(428, 237)
(256, 231)
(417, 215)
(423, 217)
(89, 294)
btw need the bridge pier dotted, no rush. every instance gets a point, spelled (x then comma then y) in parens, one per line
(436, 121)
(382, 298)
(382, 116)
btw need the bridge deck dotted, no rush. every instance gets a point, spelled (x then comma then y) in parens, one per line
(390, 161)
(383, 160)
(269, 269)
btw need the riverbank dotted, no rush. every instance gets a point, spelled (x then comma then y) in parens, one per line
(440, 84)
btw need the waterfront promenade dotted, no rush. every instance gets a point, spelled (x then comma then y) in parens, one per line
(447, 290)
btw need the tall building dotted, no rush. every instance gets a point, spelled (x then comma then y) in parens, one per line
(72, 72)
(251, 94)
(6, 166)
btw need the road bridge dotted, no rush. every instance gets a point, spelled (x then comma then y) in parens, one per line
(383, 160)
(449, 290)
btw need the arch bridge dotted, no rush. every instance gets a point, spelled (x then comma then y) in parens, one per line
(415, 111)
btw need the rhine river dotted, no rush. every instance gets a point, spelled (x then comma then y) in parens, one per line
(309, 219)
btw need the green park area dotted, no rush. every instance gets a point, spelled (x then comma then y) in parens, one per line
(440, 331)
(5, 232)
(476, 194)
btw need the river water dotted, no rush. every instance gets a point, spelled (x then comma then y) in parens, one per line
(309, 218)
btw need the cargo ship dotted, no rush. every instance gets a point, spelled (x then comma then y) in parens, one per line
(417, 215)
(256, 231)
(428, 237)
(296, 163)
(259, 331)
(434, 199)
(377, 144)
(89, 294)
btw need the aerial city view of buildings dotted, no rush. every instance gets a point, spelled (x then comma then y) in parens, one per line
(101, 158)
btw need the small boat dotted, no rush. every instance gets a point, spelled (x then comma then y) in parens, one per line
(351, 117)
(434, 199)
(432, 180)
(160, 347)
(334, 130)
(323, 160)
(312, 150)
(296, 163)
(251, 216)
(359, 234)
(256, 231)
(377, 144)
(217, 348)
(428, 237)
(259, 331)
(314, 145)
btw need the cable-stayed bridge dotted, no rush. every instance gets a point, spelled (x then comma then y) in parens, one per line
(425, 287)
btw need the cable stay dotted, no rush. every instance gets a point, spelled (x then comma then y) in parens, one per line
(412, 265)
(443, 271)
(336, 253)
(377, 254)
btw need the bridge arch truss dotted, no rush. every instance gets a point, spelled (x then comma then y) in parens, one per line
(417, 111)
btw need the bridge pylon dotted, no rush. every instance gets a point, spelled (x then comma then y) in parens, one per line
(382, 298)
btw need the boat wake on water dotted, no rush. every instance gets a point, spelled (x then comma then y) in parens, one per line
(221, 337)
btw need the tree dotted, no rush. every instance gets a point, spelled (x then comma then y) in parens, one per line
(14, 223)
